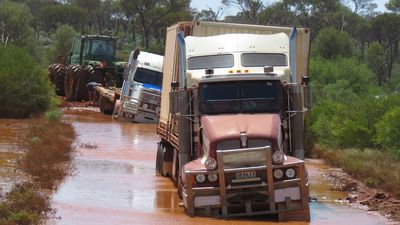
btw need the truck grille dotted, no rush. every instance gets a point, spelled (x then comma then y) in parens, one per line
(151, 96)
(243, 159)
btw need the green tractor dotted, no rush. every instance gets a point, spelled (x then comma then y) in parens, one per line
(92, 59)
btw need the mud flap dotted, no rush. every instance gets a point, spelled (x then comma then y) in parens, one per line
(159, 156)
(164, 159)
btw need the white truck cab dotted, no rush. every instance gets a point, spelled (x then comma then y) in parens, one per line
(231, 54)
(141, 90)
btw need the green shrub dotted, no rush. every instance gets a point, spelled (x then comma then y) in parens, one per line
(24, 86)
(53, 115)
(62, 43)
(25, 205)
(388, 130)
(331, 43)
(342, 113)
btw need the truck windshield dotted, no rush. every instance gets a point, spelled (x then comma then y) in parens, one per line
(100, 50)
(240, 97)
(152, 77)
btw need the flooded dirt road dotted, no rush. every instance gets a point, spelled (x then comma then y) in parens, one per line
(115, 182)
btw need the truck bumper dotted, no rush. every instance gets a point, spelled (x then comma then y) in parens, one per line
(288, 198)
(139, 116)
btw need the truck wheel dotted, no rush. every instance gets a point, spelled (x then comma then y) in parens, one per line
(179, 186)
(159, 157)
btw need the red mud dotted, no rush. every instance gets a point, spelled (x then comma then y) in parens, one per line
(116, 183)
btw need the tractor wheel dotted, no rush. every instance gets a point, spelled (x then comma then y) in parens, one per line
(68, 82)
(56, 73)
(59, 77)
(75, 83)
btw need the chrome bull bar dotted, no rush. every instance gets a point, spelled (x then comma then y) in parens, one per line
(267, 162)
(227, 189)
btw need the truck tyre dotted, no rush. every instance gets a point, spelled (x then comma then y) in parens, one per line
(164, 159)
(159, 157)
(179, 186)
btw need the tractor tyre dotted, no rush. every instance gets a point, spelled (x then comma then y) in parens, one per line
(76, 79)
(56, 73)
(68, 82)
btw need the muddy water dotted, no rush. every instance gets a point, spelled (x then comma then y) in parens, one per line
(115, 182)
(11, 132)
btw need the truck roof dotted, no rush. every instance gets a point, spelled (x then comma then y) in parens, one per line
(150, 61)
(229, 43)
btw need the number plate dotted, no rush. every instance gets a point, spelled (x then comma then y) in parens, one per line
(246, 174)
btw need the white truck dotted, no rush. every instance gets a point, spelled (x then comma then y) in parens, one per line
(232, 119)
(140, 94)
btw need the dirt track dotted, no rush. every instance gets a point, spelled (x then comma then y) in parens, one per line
(115, 182)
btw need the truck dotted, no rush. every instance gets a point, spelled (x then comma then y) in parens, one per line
(231, 125)
(140, 96)
(92, 59)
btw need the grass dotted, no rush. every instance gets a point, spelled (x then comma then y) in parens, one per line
(49, 148)
(25, 205)
(49, 145)
(377, 169)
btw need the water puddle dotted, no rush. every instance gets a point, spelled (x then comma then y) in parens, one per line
(116, 183)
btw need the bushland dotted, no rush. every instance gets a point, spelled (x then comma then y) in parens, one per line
(355, 122)
(24, 87)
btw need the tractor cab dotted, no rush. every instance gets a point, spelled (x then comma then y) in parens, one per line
(91, 48)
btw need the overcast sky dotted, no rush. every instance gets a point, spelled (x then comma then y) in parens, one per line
(204, 4)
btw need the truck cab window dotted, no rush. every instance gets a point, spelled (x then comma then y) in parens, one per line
(210, 61)
(263, 59)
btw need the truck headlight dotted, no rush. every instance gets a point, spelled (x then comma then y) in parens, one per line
(278, 157)
(278, 174)
(290, 173)
(210, 163)
(200, 178)
(212, 177)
